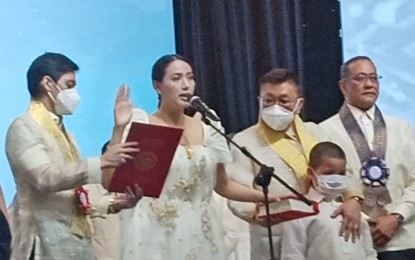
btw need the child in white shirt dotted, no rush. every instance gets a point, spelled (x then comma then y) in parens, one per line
(317, 237)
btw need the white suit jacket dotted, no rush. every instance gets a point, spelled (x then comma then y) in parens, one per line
(44, 207)
(243, 171)
(400, 158)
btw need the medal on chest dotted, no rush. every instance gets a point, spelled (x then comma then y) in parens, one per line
(374, 172)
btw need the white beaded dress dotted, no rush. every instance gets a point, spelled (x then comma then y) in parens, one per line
(181, 224)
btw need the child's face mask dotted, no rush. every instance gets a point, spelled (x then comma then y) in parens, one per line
(331, 185)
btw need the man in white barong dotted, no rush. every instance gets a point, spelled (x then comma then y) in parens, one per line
(51, 210)
(283, 141)
(380, 152)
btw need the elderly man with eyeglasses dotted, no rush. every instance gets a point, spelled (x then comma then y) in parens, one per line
(380, 152)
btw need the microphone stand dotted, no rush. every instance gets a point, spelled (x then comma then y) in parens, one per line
(263, 179)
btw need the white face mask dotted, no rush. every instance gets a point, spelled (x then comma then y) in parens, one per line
(331, 185)
(66, 101)
(278, 117)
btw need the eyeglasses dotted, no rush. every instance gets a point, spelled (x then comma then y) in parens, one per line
(267, 101)
(361, 78)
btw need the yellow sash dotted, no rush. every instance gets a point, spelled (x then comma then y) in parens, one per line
(40, 114)
(289, 153)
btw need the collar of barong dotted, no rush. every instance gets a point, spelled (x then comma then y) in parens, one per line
(374, 171)
(295, 156)
(42, 116)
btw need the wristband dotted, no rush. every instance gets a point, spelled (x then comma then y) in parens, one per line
(111, 209)
(399, 217)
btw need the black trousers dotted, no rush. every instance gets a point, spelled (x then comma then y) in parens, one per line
(407, 254)
(5, 237)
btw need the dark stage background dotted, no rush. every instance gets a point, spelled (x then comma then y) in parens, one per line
(233, 42)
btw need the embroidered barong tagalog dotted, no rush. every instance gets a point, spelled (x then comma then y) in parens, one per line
(374, 171)
(40, 114)
(296, 159)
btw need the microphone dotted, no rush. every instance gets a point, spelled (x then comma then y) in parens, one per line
(201, 107)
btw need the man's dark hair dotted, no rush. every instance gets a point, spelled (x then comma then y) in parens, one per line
(345, 70)
(325, 149)
(48, 64)
(281, 75)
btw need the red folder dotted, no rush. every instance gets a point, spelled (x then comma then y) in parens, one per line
(150, 166)
(290, 208)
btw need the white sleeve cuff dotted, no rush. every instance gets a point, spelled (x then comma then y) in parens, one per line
(94, 170)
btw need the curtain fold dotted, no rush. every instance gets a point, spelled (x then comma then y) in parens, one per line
(233, 42)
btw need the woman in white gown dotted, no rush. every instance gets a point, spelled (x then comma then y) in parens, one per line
(181, 224)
